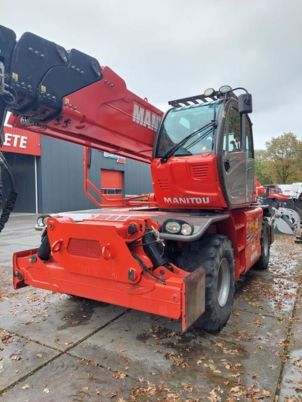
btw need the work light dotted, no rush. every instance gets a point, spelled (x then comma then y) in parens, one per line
(224, 89)
(209, 92)
(186, 229)
(178, 227)
(172, 227)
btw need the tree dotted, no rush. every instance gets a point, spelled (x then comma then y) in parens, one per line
(263, 167)
(284, 157)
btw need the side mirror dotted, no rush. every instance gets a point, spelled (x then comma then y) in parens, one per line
(245, 104)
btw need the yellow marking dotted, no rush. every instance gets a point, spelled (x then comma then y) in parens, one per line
(43, 89)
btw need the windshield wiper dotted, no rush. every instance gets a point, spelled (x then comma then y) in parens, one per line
(175, 147)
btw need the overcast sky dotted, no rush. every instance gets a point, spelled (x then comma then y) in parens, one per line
(166, 49)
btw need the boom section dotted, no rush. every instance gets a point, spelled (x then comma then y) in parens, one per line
(69, 96)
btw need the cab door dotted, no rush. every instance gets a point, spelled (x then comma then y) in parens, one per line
(234, 158)
(249, 148)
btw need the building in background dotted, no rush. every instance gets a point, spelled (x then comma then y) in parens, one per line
(49, 173)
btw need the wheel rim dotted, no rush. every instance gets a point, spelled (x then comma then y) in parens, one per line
(224, 282)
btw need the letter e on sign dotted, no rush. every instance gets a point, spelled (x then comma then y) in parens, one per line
(23, 142)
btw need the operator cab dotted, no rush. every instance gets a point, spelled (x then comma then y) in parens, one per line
(203, 155)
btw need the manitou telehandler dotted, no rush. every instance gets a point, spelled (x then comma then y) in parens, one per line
(177, 252)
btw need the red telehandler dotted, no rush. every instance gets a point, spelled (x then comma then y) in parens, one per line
(176, 253)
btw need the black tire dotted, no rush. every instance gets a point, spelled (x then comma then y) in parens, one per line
(215, 254)
(44, 249)
(265, 241)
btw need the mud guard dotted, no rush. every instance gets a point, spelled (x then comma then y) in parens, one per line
(193, 298)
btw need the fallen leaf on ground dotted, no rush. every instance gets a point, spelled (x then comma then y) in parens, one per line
(16, 356)
(213, 397)
(266, 393)
(119, 375)
(187, 387)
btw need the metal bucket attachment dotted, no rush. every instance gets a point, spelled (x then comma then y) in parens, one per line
(39, 73)
(193, 298)
(287, 221)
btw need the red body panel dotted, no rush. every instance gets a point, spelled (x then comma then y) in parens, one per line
(259, 189)
(198, 173)
(148, 295)
(91, 258)
(280, 197)
(244, 230)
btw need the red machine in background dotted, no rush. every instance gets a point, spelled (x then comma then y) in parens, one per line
(286, 211)
(176, 253)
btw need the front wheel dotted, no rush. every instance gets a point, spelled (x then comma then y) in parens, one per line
(215, 254)
(265, 242)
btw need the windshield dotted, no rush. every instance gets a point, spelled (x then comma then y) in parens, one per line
(181, 122)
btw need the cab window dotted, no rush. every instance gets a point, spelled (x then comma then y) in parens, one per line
(232, 139)
(183, 121)
(248, 138)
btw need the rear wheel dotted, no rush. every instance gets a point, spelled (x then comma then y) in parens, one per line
(44, 249)
(263, 261)
(215, 254)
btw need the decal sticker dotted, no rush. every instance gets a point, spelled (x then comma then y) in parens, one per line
(187, 200)
(145, 117)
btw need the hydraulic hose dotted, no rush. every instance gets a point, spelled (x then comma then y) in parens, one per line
(9, 201)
